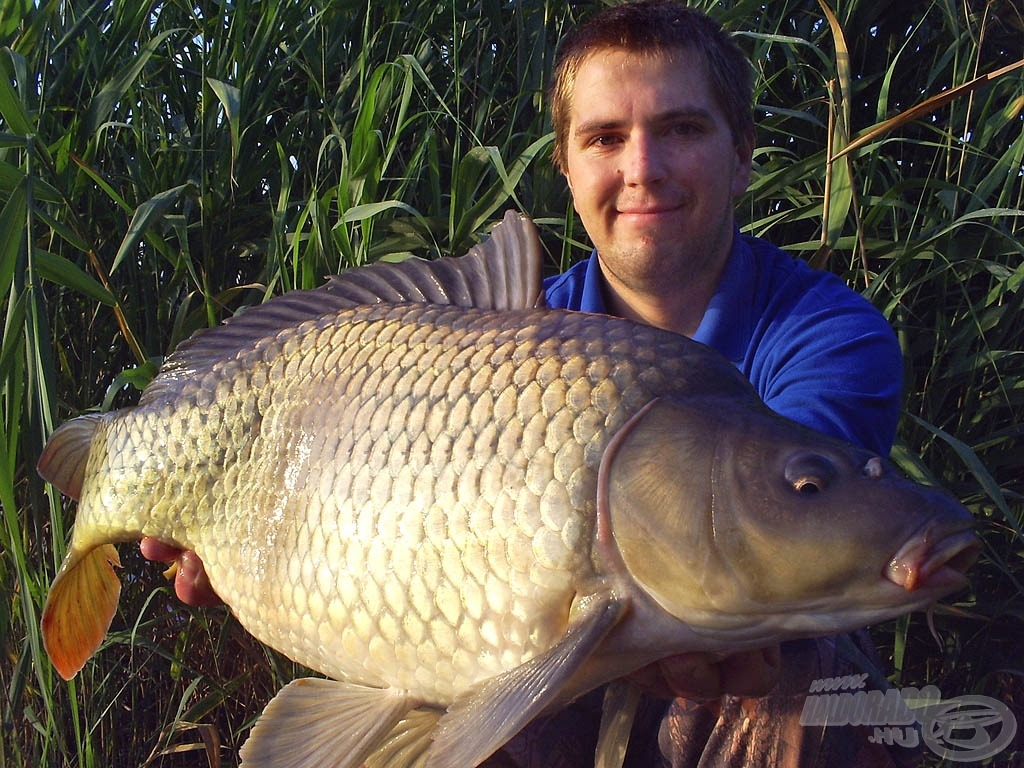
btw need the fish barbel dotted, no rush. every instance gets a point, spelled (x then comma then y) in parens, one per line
(465, 510)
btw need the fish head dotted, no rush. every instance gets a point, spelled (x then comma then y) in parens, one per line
(753, 528)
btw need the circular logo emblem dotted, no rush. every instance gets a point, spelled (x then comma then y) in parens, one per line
(967, 728)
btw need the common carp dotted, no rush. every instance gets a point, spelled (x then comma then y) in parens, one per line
(466, 510)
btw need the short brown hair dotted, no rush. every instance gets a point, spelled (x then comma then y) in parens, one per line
(656, 27)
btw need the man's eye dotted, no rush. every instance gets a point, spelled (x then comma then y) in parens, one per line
(604, 141)
(686, 129)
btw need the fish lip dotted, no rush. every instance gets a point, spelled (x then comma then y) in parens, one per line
(934, 558)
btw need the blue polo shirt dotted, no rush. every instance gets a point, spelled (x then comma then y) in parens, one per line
(816, 351)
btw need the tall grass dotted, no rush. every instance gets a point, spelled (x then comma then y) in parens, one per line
(163, 164)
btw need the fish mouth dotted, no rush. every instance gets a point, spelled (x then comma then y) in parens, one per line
(934, 560)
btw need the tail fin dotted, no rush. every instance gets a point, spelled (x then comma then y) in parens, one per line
(80, 607)
(63, 460)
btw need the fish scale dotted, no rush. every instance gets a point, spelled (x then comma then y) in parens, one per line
(510, 491)
(467, 511)
(476, 497)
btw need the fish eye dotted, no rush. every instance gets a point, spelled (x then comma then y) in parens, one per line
(810, 474)
(807, 485)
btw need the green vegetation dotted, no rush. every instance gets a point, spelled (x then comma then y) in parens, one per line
(163, 164)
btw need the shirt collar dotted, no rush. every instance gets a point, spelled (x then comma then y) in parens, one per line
(727, 322)
(592, 299)
(728, 319)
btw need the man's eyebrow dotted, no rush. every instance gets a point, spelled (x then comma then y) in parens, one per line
(597, 126)
(668, 116)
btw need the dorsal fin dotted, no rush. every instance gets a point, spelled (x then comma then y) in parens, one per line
(503, 272)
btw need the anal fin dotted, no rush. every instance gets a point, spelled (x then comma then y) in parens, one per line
(408, 743)
(323, 723)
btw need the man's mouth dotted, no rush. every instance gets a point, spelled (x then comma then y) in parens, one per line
(652, 211)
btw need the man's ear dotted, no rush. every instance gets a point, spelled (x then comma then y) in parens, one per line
(744, 165)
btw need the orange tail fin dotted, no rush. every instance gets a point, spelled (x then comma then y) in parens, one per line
(80, 607)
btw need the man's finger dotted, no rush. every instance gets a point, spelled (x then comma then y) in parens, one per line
(191, 583)
(154, 549)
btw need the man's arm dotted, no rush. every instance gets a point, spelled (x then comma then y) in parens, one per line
(842, 379)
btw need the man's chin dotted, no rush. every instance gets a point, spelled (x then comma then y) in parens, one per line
(648, 222)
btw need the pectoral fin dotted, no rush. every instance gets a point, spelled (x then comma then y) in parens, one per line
(476, 727)
(323, 723)
(80, 607)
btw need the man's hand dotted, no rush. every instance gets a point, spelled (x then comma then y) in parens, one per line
(190, 581)
(707, 676)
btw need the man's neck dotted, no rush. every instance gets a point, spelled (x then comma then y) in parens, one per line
(679, 308)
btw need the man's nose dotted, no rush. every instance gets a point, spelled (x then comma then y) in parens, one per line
(642, 162)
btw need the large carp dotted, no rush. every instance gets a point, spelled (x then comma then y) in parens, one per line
(466, 510)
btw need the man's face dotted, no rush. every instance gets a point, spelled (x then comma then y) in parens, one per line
(652, 167)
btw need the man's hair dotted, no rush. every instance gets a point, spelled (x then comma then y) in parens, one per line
(655, 27)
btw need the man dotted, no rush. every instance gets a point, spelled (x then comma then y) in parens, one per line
(655, 135)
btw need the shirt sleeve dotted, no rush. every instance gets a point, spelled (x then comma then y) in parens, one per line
(834, 364)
